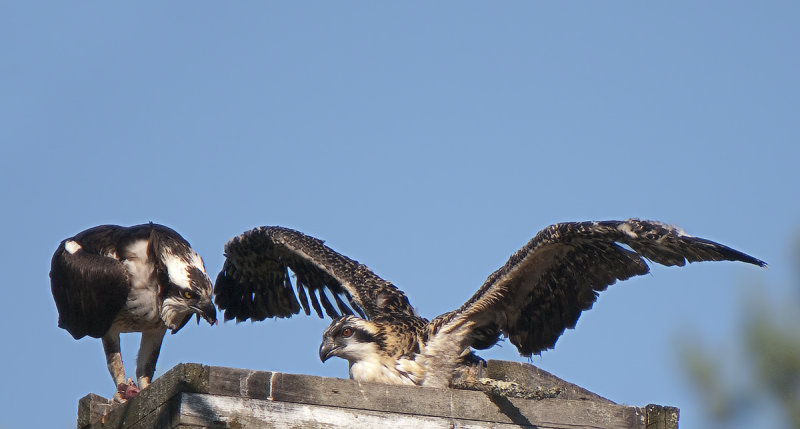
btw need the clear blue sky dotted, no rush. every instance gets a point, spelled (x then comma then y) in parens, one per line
(427, 140)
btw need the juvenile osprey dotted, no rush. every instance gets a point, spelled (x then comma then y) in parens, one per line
(146, 278)
(532, 299)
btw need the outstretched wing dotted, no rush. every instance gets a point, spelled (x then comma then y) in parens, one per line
(255, 283)
(544, 287)
(89, 288)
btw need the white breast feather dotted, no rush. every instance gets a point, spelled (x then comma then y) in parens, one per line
(388, 372)
(138, 266)
(368, 364)
(141, 308)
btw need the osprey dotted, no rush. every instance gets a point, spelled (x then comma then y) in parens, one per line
(146, 278)
(532, 299)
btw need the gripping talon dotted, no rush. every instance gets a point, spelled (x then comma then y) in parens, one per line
(126, 391)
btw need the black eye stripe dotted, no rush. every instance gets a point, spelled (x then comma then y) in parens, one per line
(363, 336)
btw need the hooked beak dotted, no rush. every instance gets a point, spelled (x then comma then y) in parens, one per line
(207, 311)
(327, 349)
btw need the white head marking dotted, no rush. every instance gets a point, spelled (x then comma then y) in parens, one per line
(178, 268)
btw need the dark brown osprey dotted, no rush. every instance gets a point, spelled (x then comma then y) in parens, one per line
(532, 299)
(146, 278)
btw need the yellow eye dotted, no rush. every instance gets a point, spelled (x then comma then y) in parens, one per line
(346, 332)
(187, 294)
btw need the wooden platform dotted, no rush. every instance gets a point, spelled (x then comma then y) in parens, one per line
(195, 396)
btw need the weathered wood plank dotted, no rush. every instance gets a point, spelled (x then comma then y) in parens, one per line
(164, 403)
(659, 417)
(92, 408)
(452, 403)
(529, 375)
(233, 412)
(150, 403)
(246, 383)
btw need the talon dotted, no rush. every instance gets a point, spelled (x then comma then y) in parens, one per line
(126, 391)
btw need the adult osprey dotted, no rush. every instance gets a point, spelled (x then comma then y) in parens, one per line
(146, 278)
(532, 299)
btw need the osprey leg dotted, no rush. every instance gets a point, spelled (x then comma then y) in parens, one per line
(115, 368)
(149, 349)
(114, 358)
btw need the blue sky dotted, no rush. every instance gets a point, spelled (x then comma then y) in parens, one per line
(427, 140)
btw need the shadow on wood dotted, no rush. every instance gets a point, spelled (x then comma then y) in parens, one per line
(193, 395)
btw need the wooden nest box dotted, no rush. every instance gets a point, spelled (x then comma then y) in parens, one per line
(198, 396)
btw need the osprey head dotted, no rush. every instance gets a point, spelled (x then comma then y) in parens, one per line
(350, 338)
(187, 290)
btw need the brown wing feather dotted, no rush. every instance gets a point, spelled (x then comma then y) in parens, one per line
(255, 283)
(89, 290)
(544, 287)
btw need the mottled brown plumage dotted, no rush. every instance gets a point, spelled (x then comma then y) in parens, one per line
(254, 282)
(532, 299)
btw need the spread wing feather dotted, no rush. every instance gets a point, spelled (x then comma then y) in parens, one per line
(544, 287)
(255, 282)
